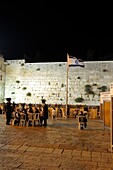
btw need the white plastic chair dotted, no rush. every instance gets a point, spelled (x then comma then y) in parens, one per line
(36, 118)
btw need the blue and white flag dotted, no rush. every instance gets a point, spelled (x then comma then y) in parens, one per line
(73, 61)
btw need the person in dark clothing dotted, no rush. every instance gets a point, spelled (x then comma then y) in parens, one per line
(84, 119)
(30, 109)
(44, 113)
(17, 117)
(14, 105)
(60, 111)
(9, 111)
(68, 112)
(0, 110)
(37, 110)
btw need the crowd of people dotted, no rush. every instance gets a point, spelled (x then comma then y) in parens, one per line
(13, 112)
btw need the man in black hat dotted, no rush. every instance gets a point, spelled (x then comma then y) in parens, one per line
(44, 114)
(8, 111)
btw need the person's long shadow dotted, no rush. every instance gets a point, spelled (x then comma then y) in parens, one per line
(59, 124)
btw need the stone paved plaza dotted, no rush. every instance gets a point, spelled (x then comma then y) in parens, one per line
(60, 145)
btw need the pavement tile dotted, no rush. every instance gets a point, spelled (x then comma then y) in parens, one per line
(31, 148)
(57, 151)
(7, 146)
(50, 168)
(40, 150)
(96, 155)
(105, 165)
(1, 145)
(15, 147)
(67, 152)
(48, 150)
(86, 154)
(23, 148)
(106, 155)
(89, 167)
(76, 153)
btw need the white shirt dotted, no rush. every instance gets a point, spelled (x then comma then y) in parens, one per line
(53, 112)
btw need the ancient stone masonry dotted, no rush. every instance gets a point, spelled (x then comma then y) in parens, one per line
(2, 79)
(30, 82)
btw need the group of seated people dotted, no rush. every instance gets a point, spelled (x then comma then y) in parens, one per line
(23, 115)
(57, 113)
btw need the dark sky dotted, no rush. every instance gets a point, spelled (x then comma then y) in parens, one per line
(46, 32)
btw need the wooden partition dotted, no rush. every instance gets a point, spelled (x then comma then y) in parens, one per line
(106, 110)
(111, 124)
(101, 112)
(93, 113)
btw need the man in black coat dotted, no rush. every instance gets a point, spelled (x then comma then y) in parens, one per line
(9, 110)
(44, 115)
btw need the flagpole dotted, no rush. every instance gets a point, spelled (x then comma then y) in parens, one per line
(71, 61)
(67, 84)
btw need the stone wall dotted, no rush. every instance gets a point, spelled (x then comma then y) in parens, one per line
(29, 82)
(2, 79)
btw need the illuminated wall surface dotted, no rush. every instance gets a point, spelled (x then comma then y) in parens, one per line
(28, 82)
(2, 78)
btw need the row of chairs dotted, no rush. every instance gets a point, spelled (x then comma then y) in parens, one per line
(32, 119)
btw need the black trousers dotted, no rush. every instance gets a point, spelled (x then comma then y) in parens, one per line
(43, 119)
(8, 118)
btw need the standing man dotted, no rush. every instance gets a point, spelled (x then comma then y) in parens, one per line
(9, 110)
(44, 115)
(68, 111)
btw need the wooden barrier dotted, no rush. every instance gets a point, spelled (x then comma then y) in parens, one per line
(111, 124)
(106, 110)
(93, 113)
(101, 112)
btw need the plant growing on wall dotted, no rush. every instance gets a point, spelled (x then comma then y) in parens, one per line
(91, 92)
(102, 88)
(28, 94)
(38, 69)
(94, 84)
(60, 64)
(105, 70)
(69, 95)
(79, 99)
(17, 81)
(78, 78)
(13, 93)
(62, 85)
(88, 90)
(24, 88)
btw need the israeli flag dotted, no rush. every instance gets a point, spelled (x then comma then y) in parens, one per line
(73, 61)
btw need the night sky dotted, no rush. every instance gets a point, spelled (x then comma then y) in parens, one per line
(45, 33)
